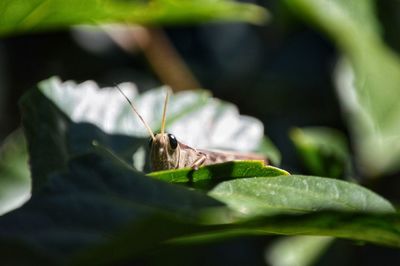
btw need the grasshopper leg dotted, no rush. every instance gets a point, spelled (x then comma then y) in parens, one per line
(199, 162)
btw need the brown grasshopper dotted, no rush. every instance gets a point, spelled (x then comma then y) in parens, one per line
(166, 152)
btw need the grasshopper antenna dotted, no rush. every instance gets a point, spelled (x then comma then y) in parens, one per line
(164, 115)
(136, 112)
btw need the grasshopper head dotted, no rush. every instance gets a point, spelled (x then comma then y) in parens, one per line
(164, 152)
(164, 148)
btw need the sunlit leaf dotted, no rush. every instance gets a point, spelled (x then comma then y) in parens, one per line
(297, 194)
(219, 172)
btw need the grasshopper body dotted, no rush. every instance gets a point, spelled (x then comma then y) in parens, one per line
(166, 152)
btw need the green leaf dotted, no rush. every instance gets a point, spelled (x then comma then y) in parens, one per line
(37, 15)
(297, 194)
(219, 172)
(324, 151)
(368, 88)
(15, 182)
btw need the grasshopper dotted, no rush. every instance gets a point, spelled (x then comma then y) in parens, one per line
(166, 152)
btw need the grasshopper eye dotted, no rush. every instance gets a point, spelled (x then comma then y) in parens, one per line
(173, 142)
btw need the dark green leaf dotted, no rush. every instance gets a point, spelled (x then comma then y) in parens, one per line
(298, 194)
(34, 15)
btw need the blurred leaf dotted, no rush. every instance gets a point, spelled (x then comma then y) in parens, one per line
(297, 250)
(324, 151)
(218, 172)
(15, 182)
(372, 107)
(35, 15)
(297, 194)
(194, 117)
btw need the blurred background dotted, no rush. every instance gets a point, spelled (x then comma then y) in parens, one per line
(281, 73)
